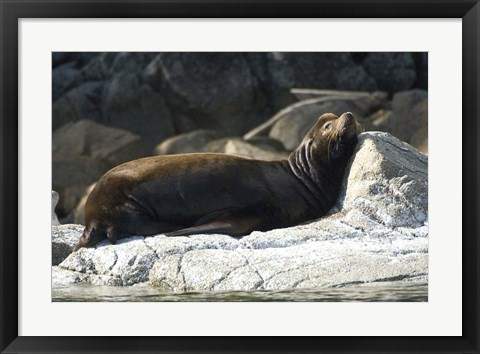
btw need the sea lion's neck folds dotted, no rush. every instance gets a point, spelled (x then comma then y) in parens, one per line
(313, 175)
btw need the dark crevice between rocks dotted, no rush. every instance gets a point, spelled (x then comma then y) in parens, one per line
(298, 282)
(293, 269)
(151, 249)
(181, 273)
(219, 281)
(400, 145)
(260, 83)
(114, 262)
(420, 60)
(393, 278)
(260, 286)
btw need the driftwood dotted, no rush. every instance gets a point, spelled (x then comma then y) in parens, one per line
(326, 96)
(318, 92)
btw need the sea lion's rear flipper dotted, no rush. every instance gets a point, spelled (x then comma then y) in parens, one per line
(230, 226)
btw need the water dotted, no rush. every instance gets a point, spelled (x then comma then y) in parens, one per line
(384, 292)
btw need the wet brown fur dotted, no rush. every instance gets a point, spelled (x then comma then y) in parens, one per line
(217, 193)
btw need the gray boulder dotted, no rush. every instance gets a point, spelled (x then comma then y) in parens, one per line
(82, 152)
(194, 141)
(130, 104)
(81, 102)
(111, 146)
(323, 70)
(64, 77)
(238, 146)
(419, 138)
(218, 90)
(293, 122)
(243, 148)
(392, 71)
(376, 232)
(72, 174)
(407, 120)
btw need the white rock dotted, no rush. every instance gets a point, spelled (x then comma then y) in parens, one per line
(55, 198)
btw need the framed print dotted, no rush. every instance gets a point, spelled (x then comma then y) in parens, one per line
(297, 177)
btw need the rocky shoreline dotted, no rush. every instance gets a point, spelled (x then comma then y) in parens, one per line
(376, 232)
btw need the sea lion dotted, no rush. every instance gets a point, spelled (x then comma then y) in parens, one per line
(202, 193)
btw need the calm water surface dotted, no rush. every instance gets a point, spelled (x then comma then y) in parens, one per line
(398, 292)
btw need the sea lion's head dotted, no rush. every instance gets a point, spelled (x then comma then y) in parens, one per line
(92, 234)
(326, 148)
(333, 138)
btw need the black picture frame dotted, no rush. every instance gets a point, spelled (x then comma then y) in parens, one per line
(12, 10)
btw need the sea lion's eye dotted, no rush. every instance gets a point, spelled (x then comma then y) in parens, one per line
(327, 126)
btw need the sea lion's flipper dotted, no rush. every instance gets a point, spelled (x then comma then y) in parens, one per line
(231, 226)
(219, 227)
(112, 235)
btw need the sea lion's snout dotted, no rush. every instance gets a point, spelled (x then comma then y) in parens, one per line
(347, 125)
(350, 125)
(348, 116)
(347, 119)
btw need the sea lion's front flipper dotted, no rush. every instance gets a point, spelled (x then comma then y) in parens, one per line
(230, 226)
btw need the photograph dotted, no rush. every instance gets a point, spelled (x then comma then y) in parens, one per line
(239, 176)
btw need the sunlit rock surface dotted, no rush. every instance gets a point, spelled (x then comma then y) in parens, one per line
(377, 232)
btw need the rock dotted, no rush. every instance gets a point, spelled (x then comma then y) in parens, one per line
(421, 64)
(65, 278)
(295, 121)
(406, 100)
(238, 146)
(243, 148)
(64, 239)
(376, 232)
(194, 141)
(274, 77)
(322, 70)
(408, 119)
(81, 102)
(129, 103)
(217, 145)
(392, 71)
(110, 146)
(129, 62)
(218, 90)
(171, 93)
(128, 262)
(82, 152)
(55, 198)
(64, 77)
(393, 192)
(266, 143)
(72, 174)
(353, 77)
(110, 90)
(80, 58)
(99, 69)
(79, 211)
(419, 138)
